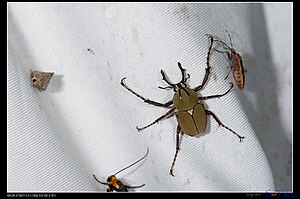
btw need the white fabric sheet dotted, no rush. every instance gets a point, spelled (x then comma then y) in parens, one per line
(84, 123)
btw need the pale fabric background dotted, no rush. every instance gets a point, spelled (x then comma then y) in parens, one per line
(84, 123)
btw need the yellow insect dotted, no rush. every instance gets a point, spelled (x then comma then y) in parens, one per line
(114, 184)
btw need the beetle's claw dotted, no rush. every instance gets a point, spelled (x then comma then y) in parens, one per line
(162, 72)
(171, 173)
(122, 80)
(241, 138)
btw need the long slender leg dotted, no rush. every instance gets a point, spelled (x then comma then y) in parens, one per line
(177, 149)
(220, 51)
(214, 96)
(220, 123)
(207, 69)
(167, 104)
(158, 119)
(229, 58)
(231, 67)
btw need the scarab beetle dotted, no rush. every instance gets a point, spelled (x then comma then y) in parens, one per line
(187, 106)
(114, 184)
(236, 63)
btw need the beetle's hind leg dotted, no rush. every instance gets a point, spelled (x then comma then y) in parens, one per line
(167, 104)
(220, 123)
(177, 149)
(170, 112)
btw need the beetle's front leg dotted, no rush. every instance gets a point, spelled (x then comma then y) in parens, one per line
(167, 104)
(170, 112)
(177, 149)
(216, 96)
(207, 69)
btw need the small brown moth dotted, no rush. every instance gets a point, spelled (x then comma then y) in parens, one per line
(40, 80)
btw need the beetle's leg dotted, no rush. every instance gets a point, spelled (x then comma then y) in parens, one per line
(220, 123)
(177, 149)
(158, 119)
(207, 69)
(214, 96)
(167, 104)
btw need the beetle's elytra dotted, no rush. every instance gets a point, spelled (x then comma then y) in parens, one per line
(186, 105)
(114, 184)
(236, 63)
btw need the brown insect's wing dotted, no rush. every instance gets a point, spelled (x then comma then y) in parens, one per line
(40, 80)
(46, 79)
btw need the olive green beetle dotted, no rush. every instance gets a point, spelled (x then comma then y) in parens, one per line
(187, 106)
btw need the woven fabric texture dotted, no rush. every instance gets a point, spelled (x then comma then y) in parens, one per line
(85, 122)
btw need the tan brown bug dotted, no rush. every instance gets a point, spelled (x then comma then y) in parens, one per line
(236, 63)
(40, 80)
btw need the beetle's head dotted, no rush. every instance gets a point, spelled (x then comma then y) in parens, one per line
(178, 86)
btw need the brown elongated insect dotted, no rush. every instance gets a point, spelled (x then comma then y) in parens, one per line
(40, 80)
(114, 184)
(236, 63)
(190, 112)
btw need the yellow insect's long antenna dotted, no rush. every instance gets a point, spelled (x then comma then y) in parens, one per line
(134, 162)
